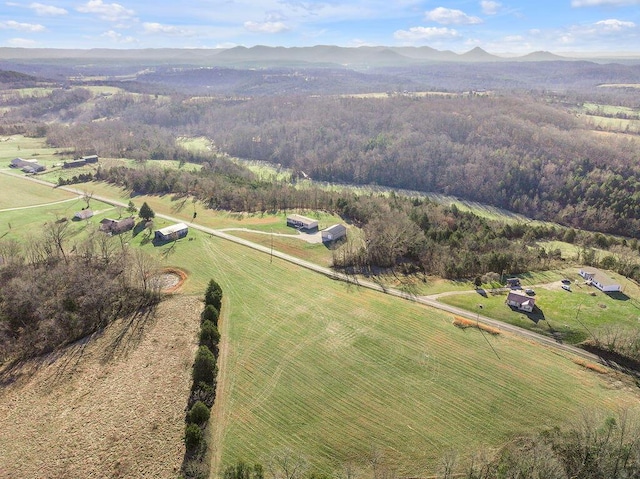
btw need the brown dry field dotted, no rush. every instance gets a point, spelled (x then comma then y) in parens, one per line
(111, 406)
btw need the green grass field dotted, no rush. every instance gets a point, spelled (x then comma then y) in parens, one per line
(576, 315)
(15, 193)
(331, 372)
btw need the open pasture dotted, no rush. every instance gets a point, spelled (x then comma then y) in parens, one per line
(17, 193)
(28, 148)
(334, 372)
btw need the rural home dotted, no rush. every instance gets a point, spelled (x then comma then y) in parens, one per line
(28, 166)
(521, 301)
(115, 227)
(83, 215)
(301, 222)
(171, 233)
(90, 159)
(333, 233)
(600, 280)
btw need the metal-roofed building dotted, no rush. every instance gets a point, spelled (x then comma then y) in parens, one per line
(333, 233)
(600, 280)
(171, 233)
(302, 222)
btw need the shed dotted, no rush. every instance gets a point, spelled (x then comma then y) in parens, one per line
(600, 280)
(171, 233)
(333, 233)
(301, 222)
(83, 215)
(90, 159)
(521, 301)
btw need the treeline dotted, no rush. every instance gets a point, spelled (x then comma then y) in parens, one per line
(55, 292)
(595, 447)
(203, 390)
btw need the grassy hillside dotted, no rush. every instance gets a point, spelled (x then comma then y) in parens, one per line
(331, 371)
(109, 406)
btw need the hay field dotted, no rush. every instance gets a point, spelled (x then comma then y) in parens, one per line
(110, 406)
(332, 372)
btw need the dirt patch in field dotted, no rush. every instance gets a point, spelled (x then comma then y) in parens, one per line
(168, 280)
(109, 406)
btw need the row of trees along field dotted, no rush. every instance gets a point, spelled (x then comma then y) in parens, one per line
(55, 291)
(417, 234)
(525, 153)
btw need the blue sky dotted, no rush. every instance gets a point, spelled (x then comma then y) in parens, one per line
(505, 26)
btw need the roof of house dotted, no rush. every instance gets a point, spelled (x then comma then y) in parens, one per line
(172, 229)
(83, 214)
(335, 229)
(520, 298)
(600, 277)
(302, 219)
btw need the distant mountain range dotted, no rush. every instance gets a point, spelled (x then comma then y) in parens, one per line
(263, 56)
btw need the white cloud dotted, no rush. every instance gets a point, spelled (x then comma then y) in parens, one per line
(265, 27)
(24, 27)
(47, 10)
(160, 28)
(111, 12)
(426, 33)
(490, 8)
(598, 3)
(612, 26)
(448, 16)
(118, 37)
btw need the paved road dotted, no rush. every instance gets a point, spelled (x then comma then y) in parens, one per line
(546, 341)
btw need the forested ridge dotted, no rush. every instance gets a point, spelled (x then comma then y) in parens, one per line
(523, 153)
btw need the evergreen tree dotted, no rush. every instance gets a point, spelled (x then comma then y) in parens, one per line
(146, 212)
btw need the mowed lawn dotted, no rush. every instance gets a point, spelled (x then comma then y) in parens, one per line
(574, 316)
(332, 371)
(17, 192)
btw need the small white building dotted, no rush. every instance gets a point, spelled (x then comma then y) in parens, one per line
(333, 233)
(302, 222)
(600, 280)
(521, 301)
(171, 233)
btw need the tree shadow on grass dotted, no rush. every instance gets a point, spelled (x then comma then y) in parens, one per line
(130, 332)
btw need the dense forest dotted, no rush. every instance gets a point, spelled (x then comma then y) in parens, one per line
(524, 153)
(55, 291)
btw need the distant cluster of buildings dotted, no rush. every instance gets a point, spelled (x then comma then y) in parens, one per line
(32, 166)
(330, 234)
